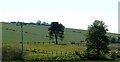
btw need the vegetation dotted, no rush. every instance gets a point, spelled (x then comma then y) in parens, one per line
(97, 40)
(114, 40)
(11, 52)
(38, 47)
(39, 34)
(56, 30)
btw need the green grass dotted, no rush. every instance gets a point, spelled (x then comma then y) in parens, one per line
(11, 35)
(37, 33)
(55, 47)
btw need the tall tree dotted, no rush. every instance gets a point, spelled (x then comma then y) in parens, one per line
(97, 40)
(56, 31)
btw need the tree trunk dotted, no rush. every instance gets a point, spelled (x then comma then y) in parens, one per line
(56, 39)
(98, 50)
(98, 53)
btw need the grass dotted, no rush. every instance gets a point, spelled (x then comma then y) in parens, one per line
(34, 36)
(30, 48)
(34, 33)
(48, 47)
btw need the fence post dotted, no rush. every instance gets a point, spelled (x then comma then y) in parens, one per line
(49, 52)
(69, 52)
(61, 52)
(52, 52)
(56, 52)
(65, 52)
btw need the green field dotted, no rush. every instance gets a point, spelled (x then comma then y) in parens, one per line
(37, 43)
(34, 33)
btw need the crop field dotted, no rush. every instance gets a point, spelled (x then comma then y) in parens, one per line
(38, 45)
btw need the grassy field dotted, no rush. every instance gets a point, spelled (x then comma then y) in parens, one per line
(34, 33)
(32, 51)
(37, 41)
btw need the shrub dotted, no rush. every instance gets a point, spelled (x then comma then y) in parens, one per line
(11, 52)
(113, 55)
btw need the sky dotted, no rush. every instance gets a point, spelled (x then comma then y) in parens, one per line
(76, 14)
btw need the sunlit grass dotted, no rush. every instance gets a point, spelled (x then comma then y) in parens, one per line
(49, 47)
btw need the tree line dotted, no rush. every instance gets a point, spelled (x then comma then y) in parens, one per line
(31, 23)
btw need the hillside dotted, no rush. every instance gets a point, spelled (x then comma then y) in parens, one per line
(38, 47)
(35, 33)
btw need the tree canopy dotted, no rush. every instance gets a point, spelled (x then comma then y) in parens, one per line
(97, 40)
(56, 31)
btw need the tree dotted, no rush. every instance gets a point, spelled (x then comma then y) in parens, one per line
(97, 40)
(56, 31)
(38, 22)
(113, 40)
(44, 23)
(119, 39)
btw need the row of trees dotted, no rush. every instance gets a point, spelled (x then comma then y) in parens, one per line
(32, 23)
(96, 40)
(41, 23)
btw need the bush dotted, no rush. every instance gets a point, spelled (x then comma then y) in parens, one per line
(113, 55)
(11, 52)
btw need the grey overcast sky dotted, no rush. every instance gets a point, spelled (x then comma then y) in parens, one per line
(71, 13)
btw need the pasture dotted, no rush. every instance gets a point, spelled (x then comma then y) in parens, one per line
(34, 33)
(38, 45)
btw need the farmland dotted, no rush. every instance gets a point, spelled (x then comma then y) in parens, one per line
(33, 33)
(38, 45)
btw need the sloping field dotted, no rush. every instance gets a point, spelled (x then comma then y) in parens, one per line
(34, 33)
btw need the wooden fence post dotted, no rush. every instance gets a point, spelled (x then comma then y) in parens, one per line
(52, 52)
(56, 52)
(61, 52)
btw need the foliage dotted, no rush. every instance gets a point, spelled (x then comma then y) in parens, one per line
(56, 30)
(11, 52)
(38, 34)
(113, 40)
(97, 40)
(38, 22)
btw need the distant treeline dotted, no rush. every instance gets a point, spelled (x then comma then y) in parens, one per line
(115, 40)
(31, 23)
